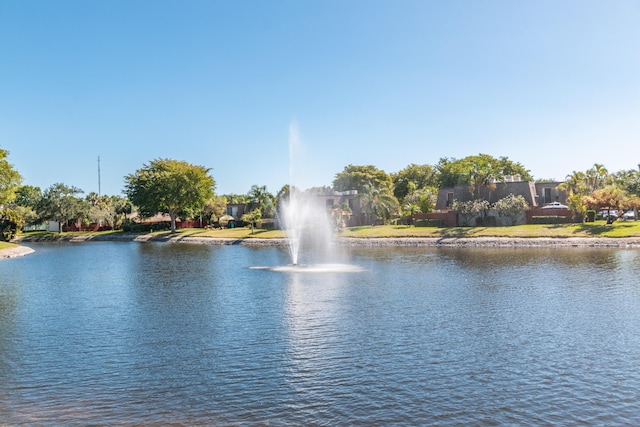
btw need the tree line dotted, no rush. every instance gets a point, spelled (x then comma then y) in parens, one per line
(183, 190)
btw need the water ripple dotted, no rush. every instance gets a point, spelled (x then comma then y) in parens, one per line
(190, 335)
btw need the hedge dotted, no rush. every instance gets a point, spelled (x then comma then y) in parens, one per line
(487, 221)
(549, 219)
(429, 223)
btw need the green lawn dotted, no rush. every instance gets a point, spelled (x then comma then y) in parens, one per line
(227, 233)
(595, 229)
(5, 245)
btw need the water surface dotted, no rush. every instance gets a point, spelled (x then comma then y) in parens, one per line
(175, 334)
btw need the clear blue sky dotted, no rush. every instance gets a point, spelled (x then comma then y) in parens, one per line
(554, 85)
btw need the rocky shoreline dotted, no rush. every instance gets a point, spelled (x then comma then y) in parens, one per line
(622, 242)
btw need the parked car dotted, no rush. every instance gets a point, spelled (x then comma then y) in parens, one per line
(628, 215)
(607, 214)
(555, 205)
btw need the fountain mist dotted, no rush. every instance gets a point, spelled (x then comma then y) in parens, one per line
(304, 216)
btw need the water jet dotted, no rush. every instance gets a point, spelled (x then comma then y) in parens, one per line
(306, 222)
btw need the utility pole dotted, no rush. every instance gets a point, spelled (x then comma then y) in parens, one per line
(99, 176)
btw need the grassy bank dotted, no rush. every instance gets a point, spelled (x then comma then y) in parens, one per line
(5, 245)
(231, 233)
(595, 229)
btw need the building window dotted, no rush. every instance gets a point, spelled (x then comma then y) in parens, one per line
(547, 195)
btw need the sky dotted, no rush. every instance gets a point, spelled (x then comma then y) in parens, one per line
(553, 85)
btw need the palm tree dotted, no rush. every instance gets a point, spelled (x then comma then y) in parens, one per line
(410, 210)
(483, 176)
(596, 177)
(378, 204)
(574, 183)
(261, 199)
(254, 217)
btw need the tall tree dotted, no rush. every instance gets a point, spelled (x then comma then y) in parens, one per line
(479, 172)
(10, 179)
(60, 203)
(512, 168)
(122, 207)
(100, 209)
(629, 181)
(610, 197)
(375, 191)
(425, 198)
(378, 203)
(359, 177)
(214, 208)
(236, 198)
(11, 221)
(597, 177)
(27, 199)
(169, 186)
(413, 177)
(580, 185)
(261, 199)
(28, 196)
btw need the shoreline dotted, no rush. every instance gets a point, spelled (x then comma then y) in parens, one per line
(15, 252)
(613, 242)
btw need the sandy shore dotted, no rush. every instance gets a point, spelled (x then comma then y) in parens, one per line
(626, 242)
(15, 252)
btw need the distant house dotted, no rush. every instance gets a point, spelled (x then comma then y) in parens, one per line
(536, 194)
(335, 199)
(163, 221)
(331, 200)
(548, 192)
(236, 210)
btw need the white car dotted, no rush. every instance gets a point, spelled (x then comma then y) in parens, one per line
(555, 205)
(629, 215)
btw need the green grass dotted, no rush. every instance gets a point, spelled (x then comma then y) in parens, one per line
(227, 233)
(5, 245)
(593, 229)
(49, 234)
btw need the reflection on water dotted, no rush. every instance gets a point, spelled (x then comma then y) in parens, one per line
(160, 334)
(311, 268)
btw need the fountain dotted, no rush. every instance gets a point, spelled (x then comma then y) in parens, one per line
(307, 225)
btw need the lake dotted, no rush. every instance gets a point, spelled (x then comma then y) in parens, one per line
(163, 334)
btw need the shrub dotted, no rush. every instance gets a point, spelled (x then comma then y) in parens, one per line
(511, 207)
(10, 222)
(271, 225)
(429, 223)
(549, 219)
(134, 227)
(487, 221)
(471, 210)
(590, 216)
